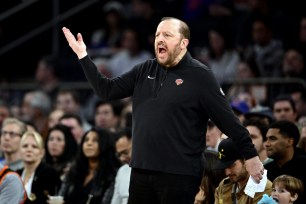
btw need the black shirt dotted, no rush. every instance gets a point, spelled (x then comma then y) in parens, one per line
(171, 108)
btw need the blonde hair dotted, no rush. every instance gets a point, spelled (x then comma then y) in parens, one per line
(290, 183)
(37, 137)
(22, 126)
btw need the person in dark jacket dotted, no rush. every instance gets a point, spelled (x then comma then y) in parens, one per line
(40, 180)
(91, 177)
(173, 95)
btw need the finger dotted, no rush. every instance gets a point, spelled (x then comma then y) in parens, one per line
(80, 38)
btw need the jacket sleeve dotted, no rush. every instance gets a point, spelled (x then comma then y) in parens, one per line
(218, 109)
(11, 189)
(105, 88)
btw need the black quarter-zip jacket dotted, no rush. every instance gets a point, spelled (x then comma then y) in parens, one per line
(171, 108)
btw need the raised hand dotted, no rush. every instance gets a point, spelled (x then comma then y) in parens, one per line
(77, 45)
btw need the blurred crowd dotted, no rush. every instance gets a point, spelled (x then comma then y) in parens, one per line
(63, 141)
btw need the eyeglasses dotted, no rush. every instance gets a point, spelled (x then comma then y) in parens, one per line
(10, 133)
(124, 153)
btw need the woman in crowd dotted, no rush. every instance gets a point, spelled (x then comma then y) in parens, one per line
(40, 179)
(61, 149)
(90, 179)
(210, 179)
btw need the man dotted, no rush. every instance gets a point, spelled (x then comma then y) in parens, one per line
(231, 189)
(12, 130)
(282, 138)
(258, 129)
(171, 107)
(284, 108)
(11, 186)
(75, 123)
(122, 182)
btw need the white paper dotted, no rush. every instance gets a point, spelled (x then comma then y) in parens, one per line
(252, 187)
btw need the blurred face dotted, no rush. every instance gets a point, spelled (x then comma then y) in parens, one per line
(303, 30)
(42, 72)
(169, 43)
(277, 144)
(4, 113)
(27, 111)
(104, 117)
(213, 135)
(66, 103)
(10, 139)
(129, 41)
(30, 152)
(283, 110)
(216, 42)
(75, 127)
(261, 34)
(300, 106)
(293, 63)
(56, 143)
(54, 117)
(244, 71)
(281, 195)
(124, 149)
(256, 138)
(91, 145)
(236, 172)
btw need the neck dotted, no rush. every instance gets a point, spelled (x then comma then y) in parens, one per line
(93, 164)
(178, 58)
(287, 157)
(9, 158)
(31, 167)
(263, 155)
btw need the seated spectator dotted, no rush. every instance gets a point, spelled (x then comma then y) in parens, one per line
(54, 117)
(213, 136)
(74, 122)
(12, 130)
(122, 181)
(285, 190)
(232, 187)
(11, 186)
(210, 180)
(61, 149)
(282, 139)
(284, 108)
(258, 129)
(259, 112)
(40, 179)
(240, 108)
(93, 172)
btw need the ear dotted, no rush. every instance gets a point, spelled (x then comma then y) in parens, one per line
(184, 43)
(294, 197)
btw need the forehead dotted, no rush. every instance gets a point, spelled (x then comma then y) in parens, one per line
(282, 104)
(273, 131)
(11, 126)
(171, 25)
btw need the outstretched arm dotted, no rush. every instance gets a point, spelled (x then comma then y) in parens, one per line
(77, 44)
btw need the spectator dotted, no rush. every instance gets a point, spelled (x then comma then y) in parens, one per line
(131, 53)
(68, 100)
(284, 108)
(232, 187)
(12, 130)
(54, 117)
(107, 115)
(282, 139)
(240, 108)
(74, 122)
(11, 186)
(258, 129)
(61, 149)
(299, 98)
(213, 136)
(210, 180)
(122, 181)
(260, 112)
(36, 106)
(93, 172)
(40, 179)
(285, 190)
